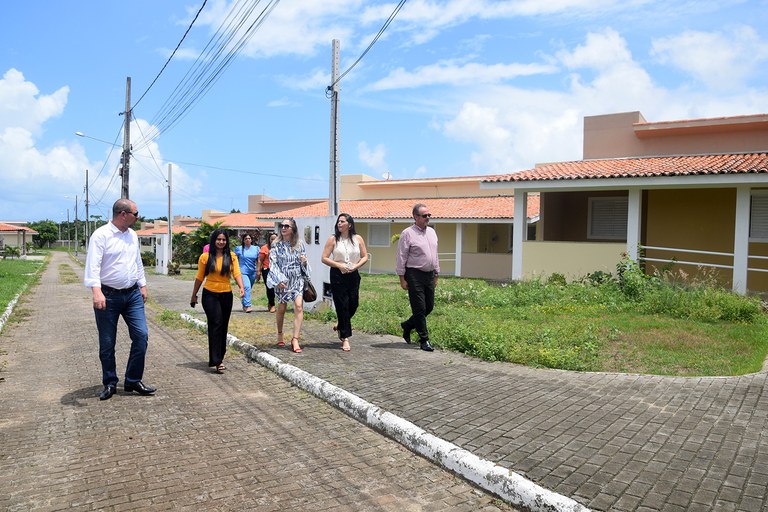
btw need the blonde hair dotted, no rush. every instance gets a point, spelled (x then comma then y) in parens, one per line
(295, 240)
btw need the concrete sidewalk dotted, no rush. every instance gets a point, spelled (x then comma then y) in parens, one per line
(246, 440)
(608, 441)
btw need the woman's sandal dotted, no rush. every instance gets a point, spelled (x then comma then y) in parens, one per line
(297, 348)
(280, 342)
(220, 368)
(344, 342)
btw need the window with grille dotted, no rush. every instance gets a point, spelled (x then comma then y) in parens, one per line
(758, 217)
(378, 235)
(607, 218)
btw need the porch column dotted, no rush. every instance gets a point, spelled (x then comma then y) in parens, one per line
(518, 233)
(634, 207)
(459, 238)
(741, 240)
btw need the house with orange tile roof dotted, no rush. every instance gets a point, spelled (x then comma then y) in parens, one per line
(684, 195)
(15, 234)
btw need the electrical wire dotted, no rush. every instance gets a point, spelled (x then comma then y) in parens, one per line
(172, 55)
(218, 54)
(381, 32)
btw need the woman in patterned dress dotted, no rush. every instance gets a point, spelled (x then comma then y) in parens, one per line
(288, 264)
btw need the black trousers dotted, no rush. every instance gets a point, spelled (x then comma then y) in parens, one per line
(270, 291)
(218, 308)
(421, 295)
(345, 289)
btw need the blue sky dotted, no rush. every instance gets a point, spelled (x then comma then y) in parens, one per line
(452, 88)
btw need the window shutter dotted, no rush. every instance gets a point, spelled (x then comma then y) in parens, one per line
(608, 218)
(758, 225)
(378, 235)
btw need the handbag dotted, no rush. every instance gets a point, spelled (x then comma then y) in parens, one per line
(310, 295)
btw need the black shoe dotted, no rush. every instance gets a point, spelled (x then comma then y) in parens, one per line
(406, 333)
(107, 393)
(425, 346)
(140, 388)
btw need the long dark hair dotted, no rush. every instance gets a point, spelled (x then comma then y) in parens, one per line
(351, 223)
(226, 259)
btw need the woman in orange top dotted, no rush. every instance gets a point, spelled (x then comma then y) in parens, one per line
(217, 268)
(262, 270)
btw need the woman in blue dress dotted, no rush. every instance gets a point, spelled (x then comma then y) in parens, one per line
(288, 266)
(247, 255)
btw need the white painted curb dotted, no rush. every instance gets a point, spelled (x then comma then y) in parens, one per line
(498, 480)
(9, 310)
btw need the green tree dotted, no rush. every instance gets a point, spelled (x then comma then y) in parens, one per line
(47, 232)
(202, 236)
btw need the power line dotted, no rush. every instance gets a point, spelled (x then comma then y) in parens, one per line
(215, 58)
(381, 32)
(172, 54)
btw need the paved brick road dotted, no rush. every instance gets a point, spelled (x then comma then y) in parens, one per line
(246, 440)
(611, 442)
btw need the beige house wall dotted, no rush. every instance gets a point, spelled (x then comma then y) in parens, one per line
(572, 259)
(628, 134)
(694, 219)
(361, 186)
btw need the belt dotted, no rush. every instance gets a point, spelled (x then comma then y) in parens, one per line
(105, 288)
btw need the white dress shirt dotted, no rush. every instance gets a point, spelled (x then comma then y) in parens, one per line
(114, 259)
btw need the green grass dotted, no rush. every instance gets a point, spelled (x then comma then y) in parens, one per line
(655, 329)
(15, 276)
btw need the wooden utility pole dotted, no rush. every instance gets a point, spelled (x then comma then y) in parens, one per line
(333, 194)
(125, 160)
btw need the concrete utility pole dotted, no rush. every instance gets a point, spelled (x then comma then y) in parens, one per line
(333, 194)
(125, 160)
(87, 211)
(169, 258)
(77, 242)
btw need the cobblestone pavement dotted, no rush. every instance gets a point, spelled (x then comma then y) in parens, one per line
(609, 441)
(245, 440)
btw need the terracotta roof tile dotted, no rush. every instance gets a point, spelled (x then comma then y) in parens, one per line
(646, 167)
(161, 230)
(243, 220)
(10, 228)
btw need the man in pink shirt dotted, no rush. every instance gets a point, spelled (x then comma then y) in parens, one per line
(418, 266)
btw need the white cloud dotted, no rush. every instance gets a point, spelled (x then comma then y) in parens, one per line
(453, 74)
(34, 177)
(373, 158)
(515, 128)
(22, 106)
(299, 27)
(721, 60)
(318, 79)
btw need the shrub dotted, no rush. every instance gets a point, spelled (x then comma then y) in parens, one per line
(557, 279)
(148, 259)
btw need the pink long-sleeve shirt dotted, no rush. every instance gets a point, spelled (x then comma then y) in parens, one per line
(417, 248)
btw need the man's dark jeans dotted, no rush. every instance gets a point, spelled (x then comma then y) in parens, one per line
(129, 305)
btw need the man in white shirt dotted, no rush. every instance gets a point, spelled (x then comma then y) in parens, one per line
(115, 275)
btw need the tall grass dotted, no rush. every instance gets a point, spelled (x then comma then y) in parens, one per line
(633, 323)
(15, 275)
